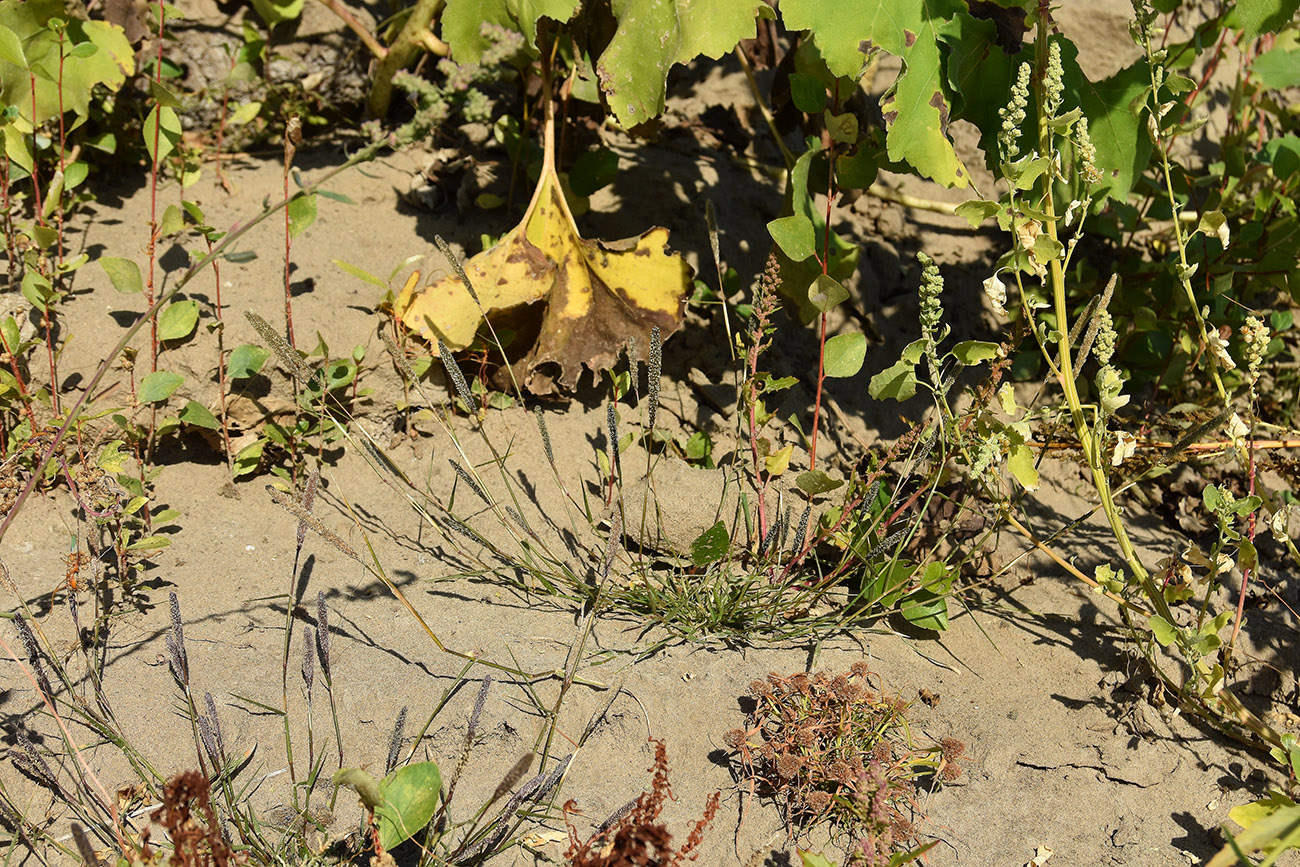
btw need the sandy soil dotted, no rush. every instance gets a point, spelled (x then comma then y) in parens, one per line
(1065, 750)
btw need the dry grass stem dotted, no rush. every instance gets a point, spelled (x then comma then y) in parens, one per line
(294, 508)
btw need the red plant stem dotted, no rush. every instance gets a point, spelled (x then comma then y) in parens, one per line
(826, 257)
(288, 243)
(36, 186)
(753, 433)
(1245, 573)
(153, 196)
(221, 360)
(63, 144)
(8, 222)
(18, 377)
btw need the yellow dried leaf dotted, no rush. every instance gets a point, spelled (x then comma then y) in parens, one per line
(594, 295)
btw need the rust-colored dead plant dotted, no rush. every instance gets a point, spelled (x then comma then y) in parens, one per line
(196, 842)
(633, 837)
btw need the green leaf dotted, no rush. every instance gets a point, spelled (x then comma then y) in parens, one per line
(108, 66)
(149, 543)
(970, 352)
(17, 148)
(248, 459)
(652, 36)
(74, 174)
(361, 782)
(976, 211)
(1020, 461)
(302, 213)
(1278, 68)
(794, 235)
(843, 128)
(1264, 16)
(807, 93)
(173, 221)
(814, 859)
(814, 482)
(462, 22)
(196, 413)
(826, 293)
(593, 170)
(845, 354)
(857, 171)
(111, 458)
(124, 274)
(408, 798)
(1162, 629)
(360, 273)
(843, 254)
(711, 546)
(896, 382)
(274, 12)
(158, 386)
(11, 48)
(1272, 833)
(177, 321)
(162, 121)
(246, 360)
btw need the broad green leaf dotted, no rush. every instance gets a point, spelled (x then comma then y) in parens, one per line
(1264, 16)
(976, 211)
(408, 798)
(779, 461)
(814, 482)
(927, 608)
(244, 113)
(845, 354)
(162, 128)
(158, 386)
(1278, 68)
(653, 35)
(711, 546)
(826, 293)
(124, 274)
(593, 170)
(177, 321)
(17, 148)
(1272, 834)
(108, 66)
(1162, 629)
(814, 859)
(74, 174)
(196, 413)
(149, 543)
(302, 213)
(859, 170)
(843, 254)
(11, 48)
(274, 12)
(248, 459)
(807, 92)
(173, 221)
(1020, 461)
(246, 360)
(970, 352)
(361, 782)
(842, 127)
(462, 22)
(916, 108)
(794, 235)
(111, 458)
(896, 382)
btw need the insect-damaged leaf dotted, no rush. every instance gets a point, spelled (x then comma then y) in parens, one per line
(591, 295)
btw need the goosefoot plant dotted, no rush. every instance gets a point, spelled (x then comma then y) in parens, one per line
(1046, 151)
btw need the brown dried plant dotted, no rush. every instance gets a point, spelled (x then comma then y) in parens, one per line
(196, 841)
(633, 837)
(835, 749)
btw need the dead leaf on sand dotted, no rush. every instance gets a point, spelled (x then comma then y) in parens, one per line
(592, 296)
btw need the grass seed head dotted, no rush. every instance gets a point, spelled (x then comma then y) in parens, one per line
(323, 634)
(450, 364)
(288, 356)
(33, 654)
(395, 741)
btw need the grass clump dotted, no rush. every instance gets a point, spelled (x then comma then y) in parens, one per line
(836, 750)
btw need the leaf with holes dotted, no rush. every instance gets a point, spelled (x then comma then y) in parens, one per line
(711, 546)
